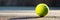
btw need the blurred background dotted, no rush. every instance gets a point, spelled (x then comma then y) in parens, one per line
(31, 4)
(28, 2)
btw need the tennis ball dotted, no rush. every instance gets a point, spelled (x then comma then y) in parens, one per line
(42, 9)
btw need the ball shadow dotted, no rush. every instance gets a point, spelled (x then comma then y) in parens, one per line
(35, 17)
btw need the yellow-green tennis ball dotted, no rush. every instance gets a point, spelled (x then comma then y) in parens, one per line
(42, 9)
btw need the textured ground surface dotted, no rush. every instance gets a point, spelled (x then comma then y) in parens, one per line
(27, 13)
